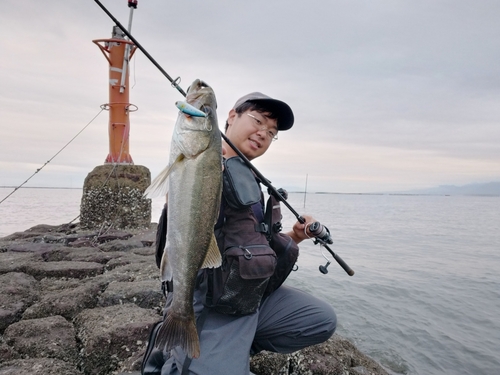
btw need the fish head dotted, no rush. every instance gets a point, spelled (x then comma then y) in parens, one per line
(193, 135)
(201, 96)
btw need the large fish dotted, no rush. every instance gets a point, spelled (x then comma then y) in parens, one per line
(194, 192)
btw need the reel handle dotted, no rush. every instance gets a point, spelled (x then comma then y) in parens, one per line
(324, 269)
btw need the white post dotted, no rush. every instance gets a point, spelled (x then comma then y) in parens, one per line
(305, 193)
(126, 58)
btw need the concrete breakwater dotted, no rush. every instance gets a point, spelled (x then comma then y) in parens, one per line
(83, 302)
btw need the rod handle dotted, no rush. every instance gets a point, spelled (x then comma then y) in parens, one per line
(344, 265)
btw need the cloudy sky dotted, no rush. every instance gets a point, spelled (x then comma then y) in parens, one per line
(387, 95)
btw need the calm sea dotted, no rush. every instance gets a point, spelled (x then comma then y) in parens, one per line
(425, 297)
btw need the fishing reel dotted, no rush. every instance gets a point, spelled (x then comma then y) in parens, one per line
(322, 236)
(320, 233)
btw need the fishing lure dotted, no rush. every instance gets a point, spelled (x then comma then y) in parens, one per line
(188, 109)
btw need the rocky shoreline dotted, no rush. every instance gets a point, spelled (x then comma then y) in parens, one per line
(82, 302)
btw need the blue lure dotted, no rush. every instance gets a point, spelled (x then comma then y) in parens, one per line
(188, 109)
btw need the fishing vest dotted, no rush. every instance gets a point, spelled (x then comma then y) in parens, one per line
(256, 256)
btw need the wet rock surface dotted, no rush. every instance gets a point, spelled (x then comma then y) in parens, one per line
(83, 302)
(113, 193)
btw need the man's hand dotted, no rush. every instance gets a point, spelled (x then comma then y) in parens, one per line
(298, 233)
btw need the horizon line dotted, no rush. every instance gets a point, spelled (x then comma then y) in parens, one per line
(292, 192)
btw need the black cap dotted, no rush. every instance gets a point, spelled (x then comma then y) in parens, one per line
(279, 108)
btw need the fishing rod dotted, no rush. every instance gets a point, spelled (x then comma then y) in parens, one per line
(320, 233)
(174, 82)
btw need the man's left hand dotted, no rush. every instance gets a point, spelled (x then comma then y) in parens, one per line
(298, 233)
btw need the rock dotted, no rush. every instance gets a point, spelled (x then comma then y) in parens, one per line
(32, 247)
(145, 252)
(79, 270)
(82, 254)
(51, 337)
(267, 363)
(128, 258)
(111, 335)
(137, 271)
(67, 302)
(17, 292)
(62, 228)
(121, 245)
(86, 310)
(38, 366)
(113, 195)
(88, 237)
(13, 262)
(146, 294)
(336, 356)
(19, 236)
(146, 236)
(7, 353)
(114, 235)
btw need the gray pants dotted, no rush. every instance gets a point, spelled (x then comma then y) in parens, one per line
(287, 321)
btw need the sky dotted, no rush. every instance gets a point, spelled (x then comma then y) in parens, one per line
(387, 95)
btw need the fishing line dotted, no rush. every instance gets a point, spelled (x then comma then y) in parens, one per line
(98, 194)
(103, 185)
(48, 161)
(101, 231)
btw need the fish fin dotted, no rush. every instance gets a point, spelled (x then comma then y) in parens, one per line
(213, 258)
(177, 331)
(159, 186)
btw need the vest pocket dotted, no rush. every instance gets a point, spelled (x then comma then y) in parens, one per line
(245, 273)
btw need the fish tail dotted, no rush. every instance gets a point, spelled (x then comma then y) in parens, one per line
(176, 331)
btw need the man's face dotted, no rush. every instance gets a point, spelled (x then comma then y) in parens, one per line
(251, 132)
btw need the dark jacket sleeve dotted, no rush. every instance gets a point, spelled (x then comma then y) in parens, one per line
(161, 235)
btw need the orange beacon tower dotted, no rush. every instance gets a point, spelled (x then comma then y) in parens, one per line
(118, 51)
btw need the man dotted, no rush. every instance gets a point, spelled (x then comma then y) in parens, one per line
(282, 319)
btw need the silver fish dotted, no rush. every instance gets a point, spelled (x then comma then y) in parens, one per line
(194, 194)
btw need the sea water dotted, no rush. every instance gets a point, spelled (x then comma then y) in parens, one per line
(425, 296)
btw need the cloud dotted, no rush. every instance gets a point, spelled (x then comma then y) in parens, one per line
(386, 94)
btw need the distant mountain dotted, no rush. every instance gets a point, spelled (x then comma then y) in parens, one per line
(490, 188)
(483, 189)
